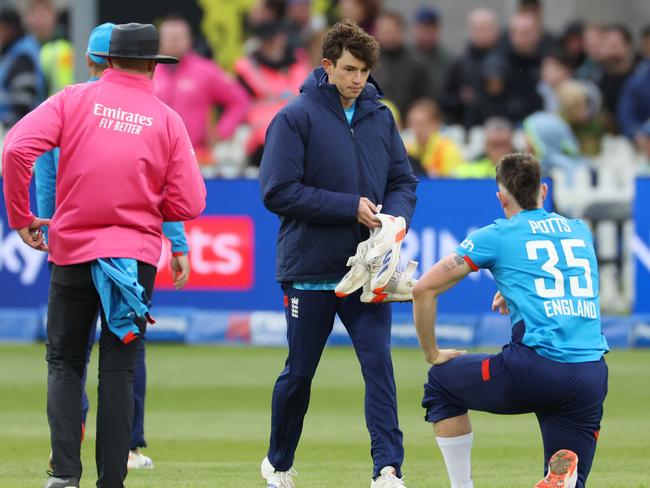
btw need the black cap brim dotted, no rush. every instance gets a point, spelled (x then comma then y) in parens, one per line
(158, 58)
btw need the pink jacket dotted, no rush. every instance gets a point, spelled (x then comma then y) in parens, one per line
(193, 88)
(126, 164)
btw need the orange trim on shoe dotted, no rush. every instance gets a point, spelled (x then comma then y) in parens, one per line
(379, 297)
(400, 235)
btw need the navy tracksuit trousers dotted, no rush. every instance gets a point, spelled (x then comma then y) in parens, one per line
(566, 397)
(310, 319)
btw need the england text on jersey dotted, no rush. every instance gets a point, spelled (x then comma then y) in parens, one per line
(571, 307)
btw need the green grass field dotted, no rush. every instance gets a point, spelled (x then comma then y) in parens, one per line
(207, 423)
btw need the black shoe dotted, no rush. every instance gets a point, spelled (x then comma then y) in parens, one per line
(54, 482)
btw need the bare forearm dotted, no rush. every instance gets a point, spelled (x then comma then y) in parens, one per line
(425, 307)
(442, 276)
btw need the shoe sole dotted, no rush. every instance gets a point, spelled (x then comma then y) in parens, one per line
(350, 288)
(385, 298)
(562, 471)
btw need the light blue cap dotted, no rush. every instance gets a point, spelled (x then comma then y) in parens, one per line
(100, 40)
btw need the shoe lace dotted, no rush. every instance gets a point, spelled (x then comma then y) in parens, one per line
(286, 478)
(390, 480)
(376, 263)
(394, 481)
(358, 261)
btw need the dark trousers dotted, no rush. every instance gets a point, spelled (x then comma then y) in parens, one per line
(310, 318)
(72, 305)
(567, 398)
(139, 392)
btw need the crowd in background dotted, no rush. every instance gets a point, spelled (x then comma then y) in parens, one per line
(563, 90)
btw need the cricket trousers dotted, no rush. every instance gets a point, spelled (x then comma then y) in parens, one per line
(139, 393)
(72, 305)
(567, 398)
(310, 318)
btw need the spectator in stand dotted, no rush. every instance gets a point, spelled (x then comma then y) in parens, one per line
(463, 81)
(196, 85)
(401, 76)
(551, 140)
(536, 10)
(363, 12)
(591, 68)
(266, 11)
(512, 73)
(498, 143)
(431, 153)
(580, 104)
(644, 43)
(272, 74)
(618, 64)
(556, 69)
(22, 85)
(572, 43)
(634, 105)
(306, 31)
(426, 39)
(57, 54)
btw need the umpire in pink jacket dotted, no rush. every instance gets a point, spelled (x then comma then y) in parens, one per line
(126, 165)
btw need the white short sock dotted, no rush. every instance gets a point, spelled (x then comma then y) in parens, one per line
(457, 452)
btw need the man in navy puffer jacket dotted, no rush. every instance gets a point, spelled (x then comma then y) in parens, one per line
(332, 155)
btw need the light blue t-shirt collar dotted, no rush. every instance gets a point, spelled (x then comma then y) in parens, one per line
(349, 112)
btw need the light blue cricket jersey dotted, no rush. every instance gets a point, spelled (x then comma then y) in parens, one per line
(545, 267)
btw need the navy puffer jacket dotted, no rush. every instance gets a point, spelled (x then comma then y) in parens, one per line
(316, 167)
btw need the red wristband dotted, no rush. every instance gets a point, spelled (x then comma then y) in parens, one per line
(178, 253)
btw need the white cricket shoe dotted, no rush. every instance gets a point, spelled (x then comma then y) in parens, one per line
(277, 479)
(359, 272)
(387, 479)
(383, 256)
(137, 460)
(399, 287)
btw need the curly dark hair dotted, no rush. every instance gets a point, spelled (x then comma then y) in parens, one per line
(348, 35)
(521, 175)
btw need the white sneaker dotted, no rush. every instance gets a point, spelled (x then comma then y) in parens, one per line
(387, 479)
(137, 460)
(399, 287)
(383, 255)
(277, 479)
(359, 272)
